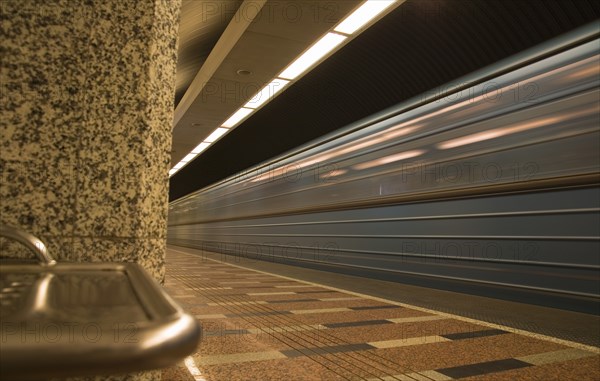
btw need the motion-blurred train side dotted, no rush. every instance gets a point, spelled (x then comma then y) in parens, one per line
(489, 186)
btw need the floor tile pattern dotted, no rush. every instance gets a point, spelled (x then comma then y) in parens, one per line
(260, 326)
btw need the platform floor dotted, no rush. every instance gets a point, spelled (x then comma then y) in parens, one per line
(269, 321)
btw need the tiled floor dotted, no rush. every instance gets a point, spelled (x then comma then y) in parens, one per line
(261, 326)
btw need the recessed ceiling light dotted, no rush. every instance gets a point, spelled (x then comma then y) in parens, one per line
(188, 157)
(267, 93)
(200, 147)
(243, 72)
(362, 15)
(216, 134)
(319, 50)
(237, 117)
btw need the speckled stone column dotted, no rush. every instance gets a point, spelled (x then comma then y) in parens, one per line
(87, 103)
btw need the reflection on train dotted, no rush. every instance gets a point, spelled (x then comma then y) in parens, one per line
(490, 187)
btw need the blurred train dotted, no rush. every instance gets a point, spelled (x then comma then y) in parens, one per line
(488, 185)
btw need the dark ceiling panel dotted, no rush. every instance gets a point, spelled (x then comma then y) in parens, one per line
(200, 26)
(419, 46)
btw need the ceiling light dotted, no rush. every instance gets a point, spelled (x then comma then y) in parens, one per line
(172, 172)
(267, 93)
(188, 157)
(237, 117)
(325, 45)
(199, 148)
(178, 165)
(216, 134)
(361, 16)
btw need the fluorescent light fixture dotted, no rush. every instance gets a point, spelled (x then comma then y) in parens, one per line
(179, 165)
(216, 134)
(172, 172)
(362, 15)
(267, 93)
(237, 117)
(200, 147)
(188, 157)
(319, 50)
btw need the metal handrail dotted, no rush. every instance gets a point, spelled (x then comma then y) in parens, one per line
(30, 241)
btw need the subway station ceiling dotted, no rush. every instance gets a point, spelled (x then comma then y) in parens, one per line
(201, 25)
(417, 46)
(228, 51)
